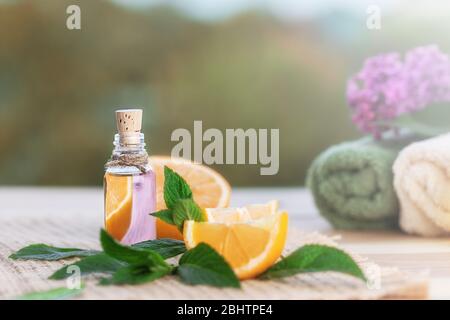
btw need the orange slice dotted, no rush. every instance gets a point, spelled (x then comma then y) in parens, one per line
(244, 214)
(250, 248)
(209, 188)
(118, 205)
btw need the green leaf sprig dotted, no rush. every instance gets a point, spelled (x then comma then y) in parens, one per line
(314, 258)
(98, 262)
(145, 265)
(203, 265)
(52, 294)
(140, 263)
(179, 201)
(40, 251)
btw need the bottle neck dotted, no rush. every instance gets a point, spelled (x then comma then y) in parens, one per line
(129, 144)
(129, 155)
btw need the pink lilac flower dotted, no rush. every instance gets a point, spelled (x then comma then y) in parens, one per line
(387, 87)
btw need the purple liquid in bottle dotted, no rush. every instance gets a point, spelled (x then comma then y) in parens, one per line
(142, 225)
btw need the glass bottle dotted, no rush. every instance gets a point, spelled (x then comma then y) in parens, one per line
(129, 183)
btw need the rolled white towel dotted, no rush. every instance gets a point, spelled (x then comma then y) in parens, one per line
(422, 183)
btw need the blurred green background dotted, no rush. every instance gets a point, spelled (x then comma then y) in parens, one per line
(233, 64)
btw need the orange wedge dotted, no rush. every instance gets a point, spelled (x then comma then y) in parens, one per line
(250, 248)
(244, 214)
(118, 205)
(209, 188)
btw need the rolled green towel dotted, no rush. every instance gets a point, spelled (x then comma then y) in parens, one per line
(352, 183)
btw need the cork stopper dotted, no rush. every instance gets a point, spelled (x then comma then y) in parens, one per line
(129, 124)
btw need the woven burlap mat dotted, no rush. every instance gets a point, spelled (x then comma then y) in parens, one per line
(20, 277)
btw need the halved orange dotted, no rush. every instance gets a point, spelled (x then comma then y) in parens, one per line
(250, 248)
(243, 214)
(118, 205)
(209, 188)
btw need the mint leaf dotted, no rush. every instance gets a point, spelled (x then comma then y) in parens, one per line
(136, 274)
(202, 265)
(165, 215)
(314, 258)
(186, 209)
(53, 294)
(175, 188)
(179, 201)
(124, 253)
(100, 263)
(145, 264)
(45, 252)
(167, 248)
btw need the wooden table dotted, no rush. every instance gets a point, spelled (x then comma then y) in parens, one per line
(386, 248)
